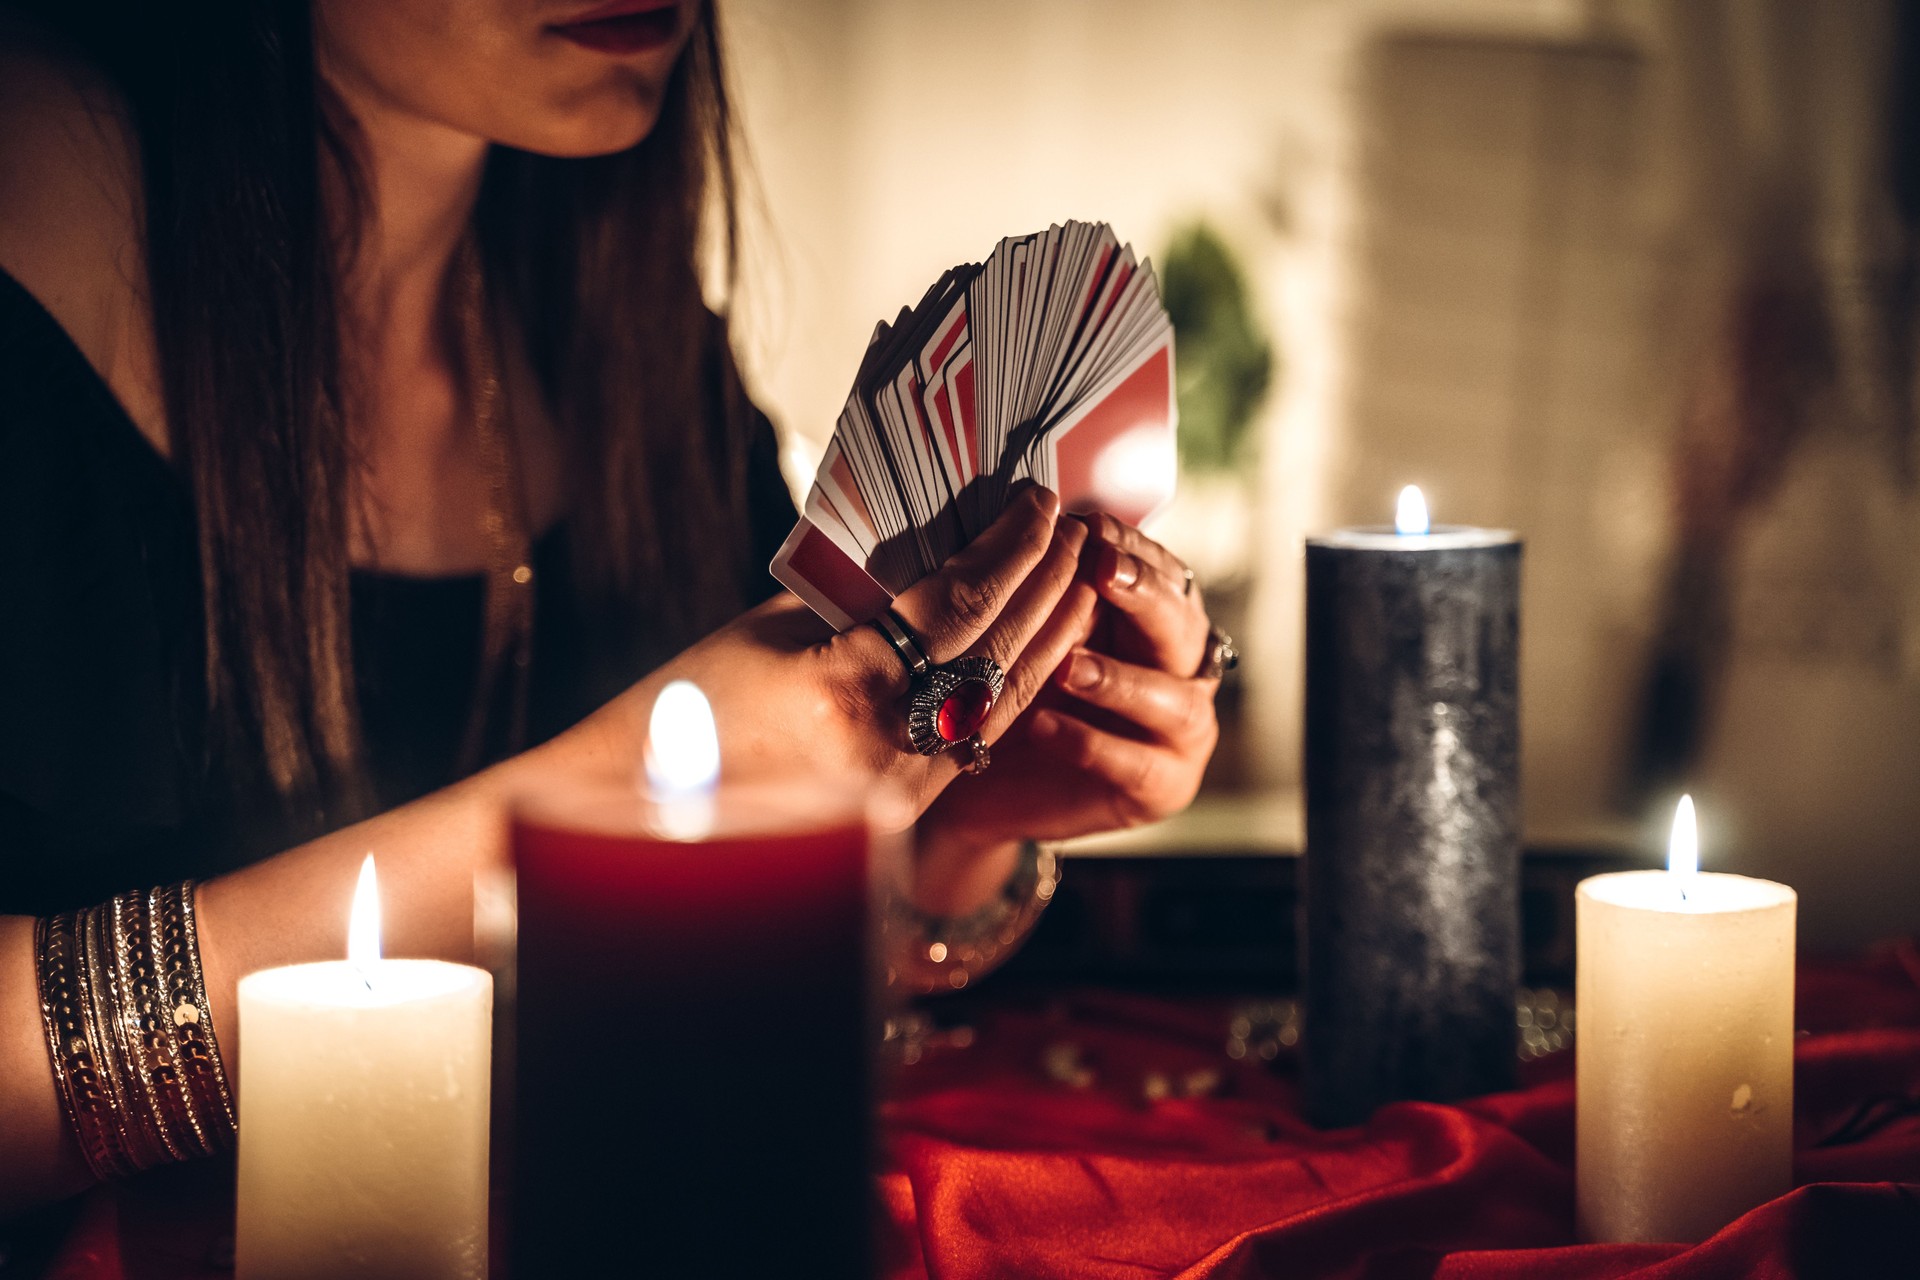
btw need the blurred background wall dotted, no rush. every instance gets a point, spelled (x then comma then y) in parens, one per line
(1632, 278)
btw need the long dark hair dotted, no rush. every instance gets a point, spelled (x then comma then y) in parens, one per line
(595, 261)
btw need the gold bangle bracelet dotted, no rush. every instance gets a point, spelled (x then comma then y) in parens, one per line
(130, 1033)
(67, 1016)
(152, 1054)
(189, 1018)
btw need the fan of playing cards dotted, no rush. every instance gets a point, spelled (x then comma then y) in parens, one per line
(1052, 361)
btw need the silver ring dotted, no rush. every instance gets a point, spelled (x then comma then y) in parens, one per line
(949, 705)
(982, 757)
(1221, 656)
(904, 642)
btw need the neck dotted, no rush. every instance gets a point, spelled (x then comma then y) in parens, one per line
(422, 181)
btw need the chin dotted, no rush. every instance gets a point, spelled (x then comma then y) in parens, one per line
(600, 125)
(598, 136)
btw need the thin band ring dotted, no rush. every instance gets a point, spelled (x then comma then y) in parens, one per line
(904, 642)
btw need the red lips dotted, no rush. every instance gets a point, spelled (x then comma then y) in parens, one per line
(626, 26)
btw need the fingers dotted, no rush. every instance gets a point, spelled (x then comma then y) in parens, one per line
(1034, 632)
(1175, 710)
(992, 599)
(1142, 781)
(954, 607)
(1068, 625)
(1152, 556)
(1147, 584)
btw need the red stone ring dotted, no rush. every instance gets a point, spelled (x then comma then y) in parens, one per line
(949, 704)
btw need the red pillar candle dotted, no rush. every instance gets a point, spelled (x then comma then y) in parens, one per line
(694, 1028)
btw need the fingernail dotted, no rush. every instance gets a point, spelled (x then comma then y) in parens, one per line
(1047, 500)
(1083, 671)
(1119, 568)
(1073, 533)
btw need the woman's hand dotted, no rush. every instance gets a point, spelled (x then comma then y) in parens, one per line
(1121, 736)
(791, 697)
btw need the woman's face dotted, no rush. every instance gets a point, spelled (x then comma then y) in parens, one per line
(558, 77)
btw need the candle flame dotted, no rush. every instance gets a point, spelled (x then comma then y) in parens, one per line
(363, 925)
(1410, 516)
(1683, 846)
(683, 759)
(683, 749)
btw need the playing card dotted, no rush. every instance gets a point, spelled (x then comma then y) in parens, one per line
(1051, 361)
(833, 584)
(950, 337)
(1115, 451)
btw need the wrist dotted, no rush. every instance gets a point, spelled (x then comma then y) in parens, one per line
(934, 952)
(955, 871)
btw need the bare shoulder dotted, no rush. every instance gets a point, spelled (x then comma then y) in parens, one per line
(70, 213)
(69, 182)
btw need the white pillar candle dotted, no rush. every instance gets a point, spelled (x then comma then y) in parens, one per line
(363, 1115)
(1684, 1053)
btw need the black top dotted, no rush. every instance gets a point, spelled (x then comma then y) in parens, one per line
(106, 780)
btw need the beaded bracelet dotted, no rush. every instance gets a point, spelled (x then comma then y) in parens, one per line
(130, 1033)
(944, 953)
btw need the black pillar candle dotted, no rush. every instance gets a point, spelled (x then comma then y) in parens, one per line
(1411, 946)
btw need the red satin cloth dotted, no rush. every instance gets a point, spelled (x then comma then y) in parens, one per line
(995, 1170)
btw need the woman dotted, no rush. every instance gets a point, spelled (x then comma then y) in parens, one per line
(370, 456)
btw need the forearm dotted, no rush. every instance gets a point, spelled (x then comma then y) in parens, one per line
(293, 908)
(288, 909)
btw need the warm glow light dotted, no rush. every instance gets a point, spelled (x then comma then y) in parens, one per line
(1136, 471)
(683, 760)
(1683, 846)
(363, 925)
(683, 750)
(1410, 516)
